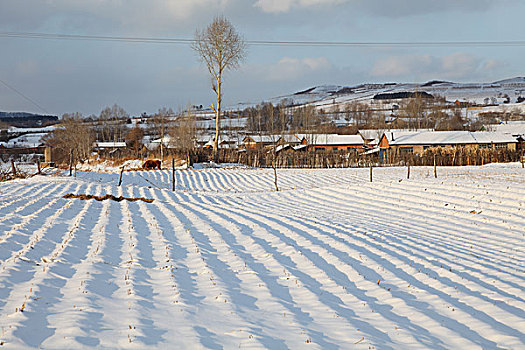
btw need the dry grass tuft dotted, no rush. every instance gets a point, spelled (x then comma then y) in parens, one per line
(106, 197)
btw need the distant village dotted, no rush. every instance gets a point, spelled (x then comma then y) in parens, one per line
(386, 129)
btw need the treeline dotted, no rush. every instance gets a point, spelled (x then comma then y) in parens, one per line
(26, 120)
(267, 118)
(415, 111)
(74, 140)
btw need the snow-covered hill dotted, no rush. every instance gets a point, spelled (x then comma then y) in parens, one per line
(499, 92)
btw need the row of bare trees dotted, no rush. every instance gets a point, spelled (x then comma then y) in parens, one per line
(73, 140)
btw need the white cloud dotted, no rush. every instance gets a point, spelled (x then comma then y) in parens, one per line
(492, 64)
(396, 66)
(398, 8)
(404, 8)
(290, 69)
(280, 6)
(422, 67)
(131, 15)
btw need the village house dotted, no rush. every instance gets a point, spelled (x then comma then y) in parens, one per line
(225, 141)
(312, 142)
(418, 142)
(109, 148)
(254, 142)
(335, 142)
(372, 137)
(514, 128)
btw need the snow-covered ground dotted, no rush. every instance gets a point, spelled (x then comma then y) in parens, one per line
(330, 261)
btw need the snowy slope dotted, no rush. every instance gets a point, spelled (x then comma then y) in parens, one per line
(331, 261)
(327, 95)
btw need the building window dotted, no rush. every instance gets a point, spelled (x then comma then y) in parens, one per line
(501, 146)
(406, 150)
(485, 146)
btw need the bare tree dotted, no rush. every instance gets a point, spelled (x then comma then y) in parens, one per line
(111, 124)
(134, 139)
(183, 134)
(222, 49)
(73, 141)
(161, 121)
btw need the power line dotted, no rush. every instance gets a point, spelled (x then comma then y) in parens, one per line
(24, 96)
(185, 41)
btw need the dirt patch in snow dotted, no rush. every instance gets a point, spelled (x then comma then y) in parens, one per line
(107, 197)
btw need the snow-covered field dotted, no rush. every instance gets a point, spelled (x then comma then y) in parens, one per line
(330, 261)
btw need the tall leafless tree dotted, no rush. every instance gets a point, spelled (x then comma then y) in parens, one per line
(161, 121)
(222, 49)
(134, 139)
(111, 124)
(183, 134)
(73, 140)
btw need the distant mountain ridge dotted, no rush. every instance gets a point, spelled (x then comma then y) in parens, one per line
(25, 120)
(510, 90)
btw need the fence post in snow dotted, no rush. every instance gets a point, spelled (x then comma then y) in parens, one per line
(408, 172)
(71, 163)
(38, 166)
(13, 167)
(435, 168)
(371, 167)
(120, 178)
(173, 174)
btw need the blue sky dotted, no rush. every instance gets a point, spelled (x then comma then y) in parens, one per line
(86, 76)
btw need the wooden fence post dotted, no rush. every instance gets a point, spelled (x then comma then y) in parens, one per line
(408, 172)
(38, 166)
(435, 168)
(120, 178)
(371, 167)
(13, 167)
(71, 163)
(173, 174)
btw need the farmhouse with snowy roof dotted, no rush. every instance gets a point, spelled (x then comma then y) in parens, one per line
(418, 142)
(335, 142)
(314, 142)
(258, 141)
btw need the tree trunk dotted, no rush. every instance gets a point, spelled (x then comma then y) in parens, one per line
(217, 119)
(162, 141)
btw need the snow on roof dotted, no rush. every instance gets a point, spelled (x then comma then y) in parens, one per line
(514, 128)
(291, 138)
(371, 134)
(261, 138)
(110, 144)
(373, 150)
(299, 147)
(165, 140)
(282, 147)
(208, 139)
(451, 138)
(335, 139)
(393, 134)
(492, 137)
